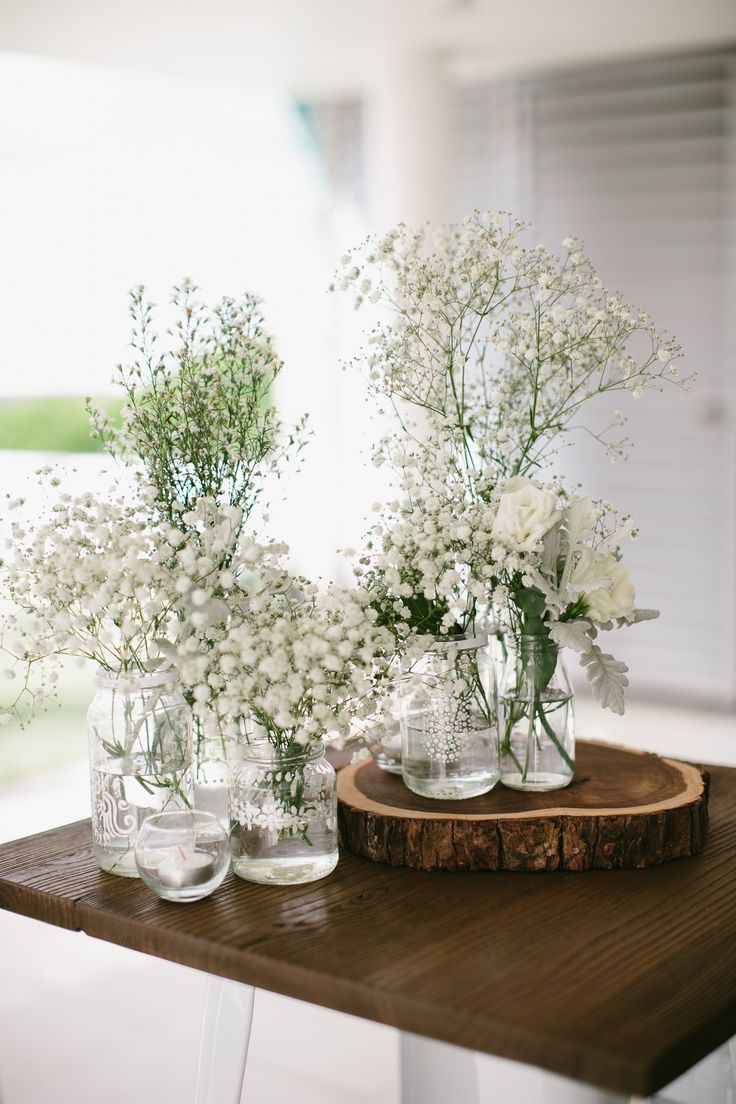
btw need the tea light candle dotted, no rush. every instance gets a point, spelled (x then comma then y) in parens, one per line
(181, 869)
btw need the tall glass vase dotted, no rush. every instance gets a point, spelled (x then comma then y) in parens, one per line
(536, 718)
(449, 728)
(140, 748)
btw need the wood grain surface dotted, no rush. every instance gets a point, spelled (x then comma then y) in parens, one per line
(621, 978)
(624, 808)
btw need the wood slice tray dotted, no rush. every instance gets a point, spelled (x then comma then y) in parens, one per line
(624, 808)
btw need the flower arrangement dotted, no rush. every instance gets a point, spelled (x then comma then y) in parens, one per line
(286, 667)
(201, 431)
(486, 352)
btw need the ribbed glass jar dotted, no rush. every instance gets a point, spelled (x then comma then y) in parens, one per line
(449, 727)
(140, 749)
(536, 717)
(283, 815)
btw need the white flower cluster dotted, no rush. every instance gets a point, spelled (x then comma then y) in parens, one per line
(91, 580)
(298, 666)
(427, 563)
(572, 580)
(497, 343)
(571, 551)
(103, 581)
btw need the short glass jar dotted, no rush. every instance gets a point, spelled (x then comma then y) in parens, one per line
(140, 748)
(182, 856)
(283, 814)
(449, 727)
(536, 717)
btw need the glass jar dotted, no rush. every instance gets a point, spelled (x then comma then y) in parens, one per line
(387, 752)
(182, 855)
(213, 759)
(283, 814)
(386, 748)
(140, 749)
(449, 729)
(536, 717)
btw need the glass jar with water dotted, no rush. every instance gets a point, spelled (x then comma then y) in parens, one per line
(140, 746)
(283, 813)
(449, 727)
(536, 717)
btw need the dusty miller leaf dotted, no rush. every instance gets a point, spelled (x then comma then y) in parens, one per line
(577, 530)
(607, 677)
(551, 597)
(571, 634)
(550, 553)
(640, 615)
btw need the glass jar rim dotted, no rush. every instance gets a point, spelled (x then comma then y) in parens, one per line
(265, 753)
(138, 680)
(166, 820)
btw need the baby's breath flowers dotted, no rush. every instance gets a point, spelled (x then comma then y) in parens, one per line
(91, 579)
(499, 345)
(426, 563)
(300, 665)
(97, 579)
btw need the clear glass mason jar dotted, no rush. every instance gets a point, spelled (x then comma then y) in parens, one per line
(283, 815)
(449, 725)
(536, 717)
(140, 749)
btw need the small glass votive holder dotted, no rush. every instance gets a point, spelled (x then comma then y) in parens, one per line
(182, 855)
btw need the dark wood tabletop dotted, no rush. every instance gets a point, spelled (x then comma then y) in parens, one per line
(621, 978)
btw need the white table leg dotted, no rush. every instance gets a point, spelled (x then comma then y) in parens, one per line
(501, 1081)
(223, 1047)
(712, 1081)
(436, 1073)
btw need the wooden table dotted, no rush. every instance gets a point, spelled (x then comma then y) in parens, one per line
(623, 979)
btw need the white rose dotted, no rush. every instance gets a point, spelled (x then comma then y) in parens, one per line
(615, 600)
(525, 514)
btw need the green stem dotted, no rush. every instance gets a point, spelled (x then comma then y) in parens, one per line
(553, 736)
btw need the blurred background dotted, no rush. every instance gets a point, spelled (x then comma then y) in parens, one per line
(248, 145)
